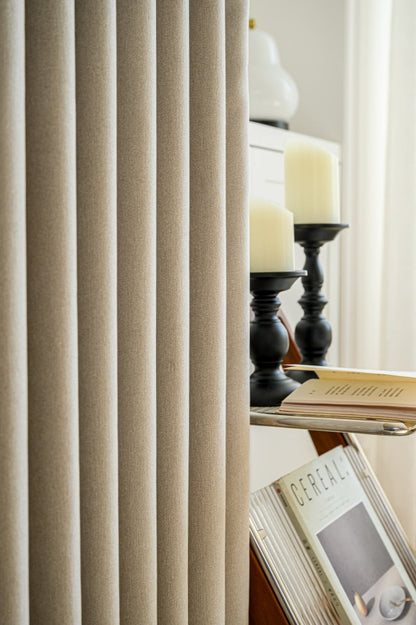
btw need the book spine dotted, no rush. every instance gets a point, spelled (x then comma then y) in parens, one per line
(337, 603)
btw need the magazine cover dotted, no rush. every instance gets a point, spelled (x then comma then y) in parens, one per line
(351, 551)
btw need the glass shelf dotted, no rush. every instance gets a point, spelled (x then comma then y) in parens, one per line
(358, 425)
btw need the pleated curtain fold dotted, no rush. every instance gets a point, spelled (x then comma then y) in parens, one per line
(124, 430)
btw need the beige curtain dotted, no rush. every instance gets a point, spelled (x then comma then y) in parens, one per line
(124, 312)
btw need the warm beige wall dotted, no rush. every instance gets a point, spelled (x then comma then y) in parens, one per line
(310, 35)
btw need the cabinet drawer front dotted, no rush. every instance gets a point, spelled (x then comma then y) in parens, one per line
(266, 174)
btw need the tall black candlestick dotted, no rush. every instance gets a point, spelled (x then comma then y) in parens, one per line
(269, 341)
(313, 332)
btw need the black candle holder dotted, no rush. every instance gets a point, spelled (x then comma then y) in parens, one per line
(313, 332)
(269, 341)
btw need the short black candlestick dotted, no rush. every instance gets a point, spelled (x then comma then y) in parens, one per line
(269, 341)
(313, 332)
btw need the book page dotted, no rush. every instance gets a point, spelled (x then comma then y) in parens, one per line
(341, 373)
(320, 392)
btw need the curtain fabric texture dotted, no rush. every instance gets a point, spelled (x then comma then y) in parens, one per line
(379, 307)
(124, 428)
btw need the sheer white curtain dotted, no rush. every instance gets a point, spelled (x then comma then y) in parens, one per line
(379, 252)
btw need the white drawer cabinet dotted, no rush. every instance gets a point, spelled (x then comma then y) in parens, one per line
(275, 451)
(266, 173)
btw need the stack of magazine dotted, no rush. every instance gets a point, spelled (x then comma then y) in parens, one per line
(331, 546)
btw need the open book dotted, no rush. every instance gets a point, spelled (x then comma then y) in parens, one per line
(342, 392)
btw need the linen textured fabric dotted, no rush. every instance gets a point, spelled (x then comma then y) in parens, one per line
(124, 432)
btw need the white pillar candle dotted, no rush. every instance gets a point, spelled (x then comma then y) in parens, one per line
(311, 183)
(271, 237)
